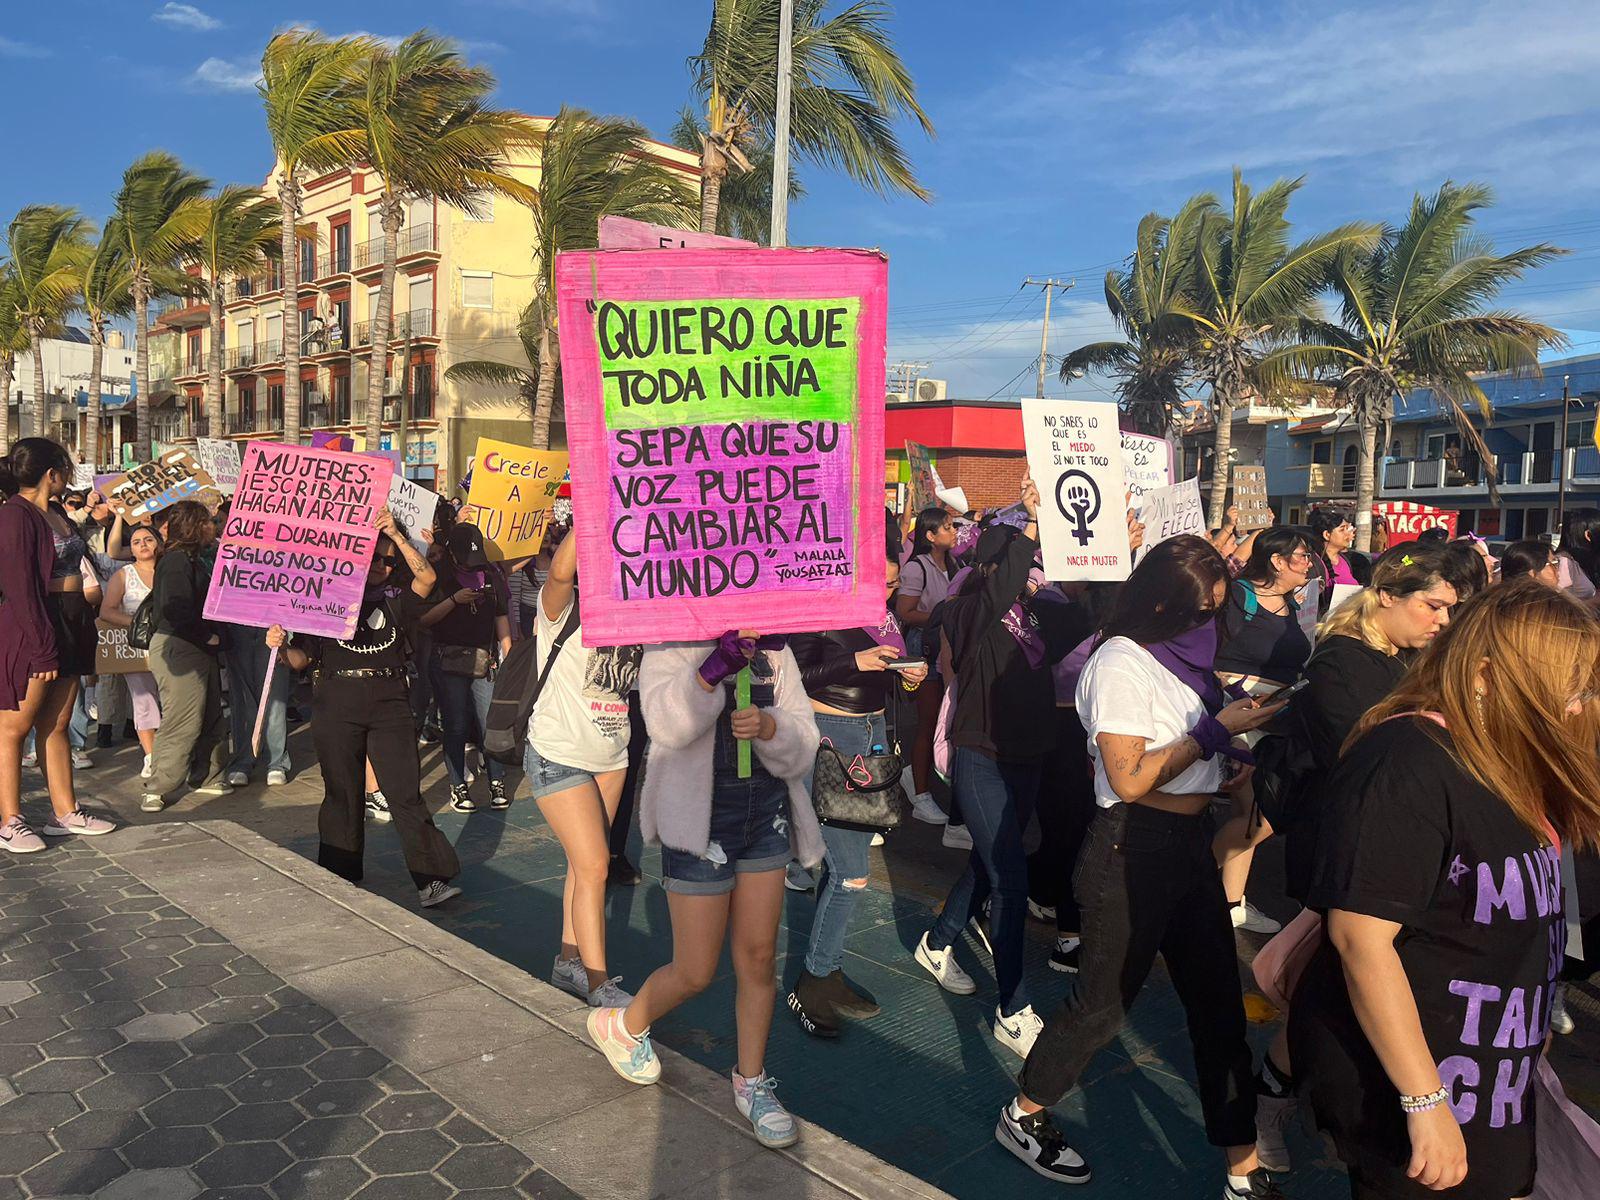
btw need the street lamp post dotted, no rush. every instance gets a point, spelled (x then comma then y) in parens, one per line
(1561, 453)
(780, 131)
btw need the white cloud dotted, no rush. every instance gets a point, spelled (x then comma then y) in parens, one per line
(222, 75)
(11, 48)
(185, 16)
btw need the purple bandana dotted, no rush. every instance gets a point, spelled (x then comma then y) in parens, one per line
(1018, 621)
(887, 633)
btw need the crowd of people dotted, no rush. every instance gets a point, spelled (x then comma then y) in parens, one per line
(1420, 727)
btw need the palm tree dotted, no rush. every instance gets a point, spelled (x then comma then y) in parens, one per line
(107, 289)
(1251, 290)
(158, 220)
(426, 131)
(849, 88)
(522, 376)
(744, 208)
(590, 167)
(47, 245)
(241, 233)
(13, 340)
(1412, 315)
(1151, 301)
(308, 90)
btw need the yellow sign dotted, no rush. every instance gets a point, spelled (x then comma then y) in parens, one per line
(513, 490)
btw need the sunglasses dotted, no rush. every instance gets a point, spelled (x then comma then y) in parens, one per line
(384, 560)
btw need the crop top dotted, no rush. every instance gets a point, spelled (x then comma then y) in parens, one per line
(70, 549)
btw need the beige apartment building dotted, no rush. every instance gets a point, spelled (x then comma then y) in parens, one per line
(461, 284)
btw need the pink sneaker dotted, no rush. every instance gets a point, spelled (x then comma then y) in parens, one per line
(77, 821)
(16, 837)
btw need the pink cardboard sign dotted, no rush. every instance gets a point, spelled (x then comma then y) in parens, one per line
(725, 422)
(299, 539)
(624, 233)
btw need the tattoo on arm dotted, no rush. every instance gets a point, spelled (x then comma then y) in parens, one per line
(1179, 759)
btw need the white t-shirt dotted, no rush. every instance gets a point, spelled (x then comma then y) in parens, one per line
(1124, 690)
(581, 717)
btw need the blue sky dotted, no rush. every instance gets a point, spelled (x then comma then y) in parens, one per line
(1060, 123)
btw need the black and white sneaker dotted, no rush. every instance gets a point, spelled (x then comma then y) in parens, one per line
(1262, 1187)
(497, 795)
(1065, 955)
(437, 892)
(1034, 1138)
(461, 799)
(378, 807)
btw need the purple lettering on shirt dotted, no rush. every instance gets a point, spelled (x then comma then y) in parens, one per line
(1539, 879)
(1474, 994)
(1538, 1017)
(1458, 1068)
(1510, 1082)
(1513, 1029)
(1511, 897)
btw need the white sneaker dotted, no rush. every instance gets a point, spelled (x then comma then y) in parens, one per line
(1273, 1114)
(237, 779)
(1018, 1032)
(796, 879)
(1560, 1019)
(957, 837)
(877, 839)
(1041, 912)
(924, 809)
(1248, 917)
(942, 965)
(609, 995)
(1036, 1141)
(30, 759)
(149, 767)
(277, 778)
(81, 761)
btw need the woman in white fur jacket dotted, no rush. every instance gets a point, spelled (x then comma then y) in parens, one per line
(724, 844)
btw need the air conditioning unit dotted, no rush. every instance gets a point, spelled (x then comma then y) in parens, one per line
(391, 412)
(391, 386)
(932, 389)
(895, 398)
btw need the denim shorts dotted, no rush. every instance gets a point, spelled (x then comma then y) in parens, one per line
(547, 776)
(750, 822)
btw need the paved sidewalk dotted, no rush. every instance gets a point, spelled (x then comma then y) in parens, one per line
(190, 1011)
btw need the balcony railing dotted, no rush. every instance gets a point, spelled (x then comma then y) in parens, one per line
(418, 323)
(417, 239)
(242, 358)
(335, 263)
(242, 422)
(1328, 479)
(1437, 474)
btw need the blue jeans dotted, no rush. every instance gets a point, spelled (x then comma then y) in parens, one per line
(464, 711)
(997, 799)
(846, 856)
(246, 658)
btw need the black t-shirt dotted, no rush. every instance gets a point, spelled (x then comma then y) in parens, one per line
(1258, 642)
(1411, 837)
(382, 637)
(469, 624)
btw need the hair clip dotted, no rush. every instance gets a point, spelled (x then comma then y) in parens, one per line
(1406, 561)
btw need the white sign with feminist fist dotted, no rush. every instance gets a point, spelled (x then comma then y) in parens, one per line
(1075, 458)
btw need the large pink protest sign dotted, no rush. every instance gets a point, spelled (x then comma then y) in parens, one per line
(299, 539)
(725, 420)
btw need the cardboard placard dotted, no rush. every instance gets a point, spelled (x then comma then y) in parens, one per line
(146, 489)
(1146, 464)
(624, 233)
(925, 481)
(219, 458)
(1075, 458)
(299, 538)
(82, 477)
(414, 507)
(1171, 511)
(113, 655)
(1250, 497)
(725, 416)
(513, 490)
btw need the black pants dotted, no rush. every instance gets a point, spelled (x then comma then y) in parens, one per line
(1146, 883)
(637, 742)
(357, 720)
(1066, 807)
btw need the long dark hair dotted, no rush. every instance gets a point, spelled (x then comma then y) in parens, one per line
(929, 521)
(1580, 539)
(1281, 540)
(1524, 558)
(30, 460)
(1171, 591)
(189, 526)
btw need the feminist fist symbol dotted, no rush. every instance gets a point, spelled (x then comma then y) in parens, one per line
(1078, 498)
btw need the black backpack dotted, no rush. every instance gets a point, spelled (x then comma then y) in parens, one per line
(517, 685)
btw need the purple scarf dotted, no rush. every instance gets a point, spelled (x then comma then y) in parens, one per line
(887, 633)
(1192, 657)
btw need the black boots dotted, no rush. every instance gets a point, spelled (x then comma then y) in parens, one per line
(822, 1004)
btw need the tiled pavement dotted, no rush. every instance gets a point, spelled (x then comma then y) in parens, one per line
(917, 1087)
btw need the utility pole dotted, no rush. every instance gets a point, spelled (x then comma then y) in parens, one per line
(780, 134)
(1561, 452)
(1049, 285)
(904, 375)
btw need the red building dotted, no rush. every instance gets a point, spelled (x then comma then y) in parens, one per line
(976, 444)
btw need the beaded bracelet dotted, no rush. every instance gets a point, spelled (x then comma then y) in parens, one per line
(1417, 1104)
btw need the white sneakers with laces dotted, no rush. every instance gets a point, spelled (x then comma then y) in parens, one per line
(942, 965)
(1019, 1031)
(1251, 919)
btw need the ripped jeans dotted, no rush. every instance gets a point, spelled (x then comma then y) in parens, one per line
(844, 866)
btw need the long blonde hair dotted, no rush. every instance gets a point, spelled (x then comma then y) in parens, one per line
(1537, 650)
(1403, 571)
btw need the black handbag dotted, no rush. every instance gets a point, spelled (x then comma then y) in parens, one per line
(863, 792)
(143, 628)
(470, 661)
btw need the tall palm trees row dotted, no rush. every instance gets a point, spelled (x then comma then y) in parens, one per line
(1222, 298)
